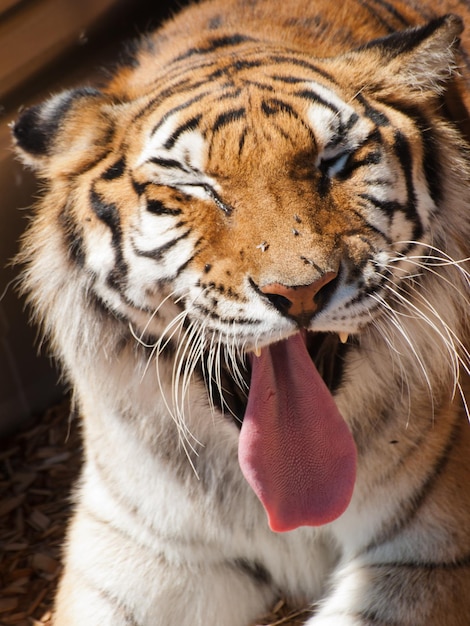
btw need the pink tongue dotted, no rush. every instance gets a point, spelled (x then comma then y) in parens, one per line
(295, 449)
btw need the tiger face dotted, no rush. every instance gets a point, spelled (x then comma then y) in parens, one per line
(279, 195)
(297, 240)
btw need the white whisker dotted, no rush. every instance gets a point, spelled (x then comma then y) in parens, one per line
(394, 318)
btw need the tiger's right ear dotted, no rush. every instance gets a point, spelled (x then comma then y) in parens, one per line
(418, 62)
(70, 125)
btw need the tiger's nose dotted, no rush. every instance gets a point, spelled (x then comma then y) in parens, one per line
(300, 301)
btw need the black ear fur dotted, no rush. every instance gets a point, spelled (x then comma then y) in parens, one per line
(37, 126)
(420, 60)
(29, 134)
(407, 40)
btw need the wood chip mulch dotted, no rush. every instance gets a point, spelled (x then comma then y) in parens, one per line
(38, 467)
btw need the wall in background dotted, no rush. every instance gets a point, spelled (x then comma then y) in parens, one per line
(45, 46)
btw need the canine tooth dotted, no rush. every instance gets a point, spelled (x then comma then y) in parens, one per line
(343, 337)
(257, 351)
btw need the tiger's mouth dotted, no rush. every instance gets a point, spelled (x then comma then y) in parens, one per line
(326, 350)
(295, 449)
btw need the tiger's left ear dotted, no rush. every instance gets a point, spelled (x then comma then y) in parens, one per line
(420, 60)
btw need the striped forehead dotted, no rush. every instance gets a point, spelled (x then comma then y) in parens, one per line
(178, 135)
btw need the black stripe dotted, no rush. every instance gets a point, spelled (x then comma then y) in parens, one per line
(172, 111)
(431, 149)
(162, 95)
(156, 207)
(281, 59)
(215, 44)
(139, 188)
(227, 70)
(257, 572)
(379, 118)
(228, 118)
(185, 84)
(275, 59)
(377, 16)
(367, 290)
(241, 141)
(273, 106)
(116, 170)
(168, 163)
(393, 11)
(157, 253)
(103, 311)
(312, 96)
(229, 94)
(191, 124)
(405, 156)
(88, 166)
(343, 128)
(352, 164)
(373, 158)
(454, 564)
(177, 109)
(324, 183)
(110, 527)
(108, 213)
(390, 207)
(73, 235)
(289, 80)
(259, 85)
(431, 163)
(417, 590)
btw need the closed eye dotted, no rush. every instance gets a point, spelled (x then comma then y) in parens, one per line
(217, 199)
(204, 190)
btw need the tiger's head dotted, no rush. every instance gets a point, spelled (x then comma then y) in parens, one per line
(246, 190)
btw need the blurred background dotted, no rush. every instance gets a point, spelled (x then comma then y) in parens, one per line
(45, 46)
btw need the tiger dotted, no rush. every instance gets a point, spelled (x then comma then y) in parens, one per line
(250, 258)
